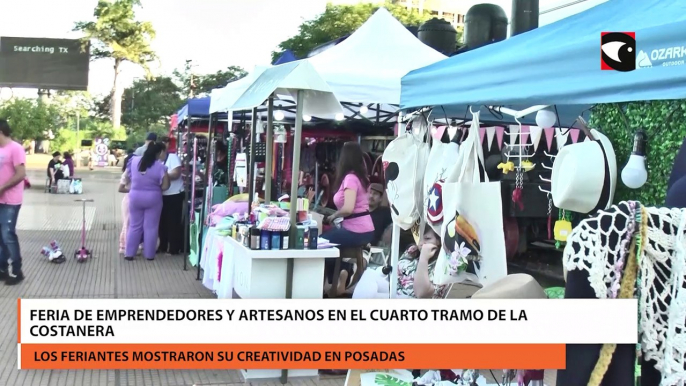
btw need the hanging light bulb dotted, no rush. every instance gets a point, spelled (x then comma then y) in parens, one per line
(307, 118)
(545, 118)
(364, 109)
(634, 174)
(278, 115)
(339, 117)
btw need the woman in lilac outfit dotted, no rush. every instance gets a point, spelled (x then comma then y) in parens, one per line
(149, 178)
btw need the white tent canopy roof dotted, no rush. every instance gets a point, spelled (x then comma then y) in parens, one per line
(288, 79)
(365, 68)
(368, 65)
(222, 98)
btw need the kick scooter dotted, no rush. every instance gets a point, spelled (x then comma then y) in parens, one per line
(82, 254)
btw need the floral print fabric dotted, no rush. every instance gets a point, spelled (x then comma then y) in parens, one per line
(407, 267)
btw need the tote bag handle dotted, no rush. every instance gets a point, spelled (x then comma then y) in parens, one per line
(473, 154)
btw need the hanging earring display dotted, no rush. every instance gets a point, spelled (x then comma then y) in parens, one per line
(519, 189)
(563, 228)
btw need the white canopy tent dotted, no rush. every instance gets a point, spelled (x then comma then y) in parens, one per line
(222, 98)
(363, 70)
(313, 97)
(368, 65)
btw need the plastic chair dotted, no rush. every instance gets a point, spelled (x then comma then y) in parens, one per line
(353, 253)
(50, 188)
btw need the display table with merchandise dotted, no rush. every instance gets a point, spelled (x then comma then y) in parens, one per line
(262, 274)
(234, 271)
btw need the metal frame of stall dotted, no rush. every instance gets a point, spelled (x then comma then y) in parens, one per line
(251, 169)
(184, 128)
(295, 171)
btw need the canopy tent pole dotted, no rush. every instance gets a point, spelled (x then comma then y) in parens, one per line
(206, 180)
(186, 219)
(251, 160)
(395, 236)
(270, 149)
(518, 114)
(295, 173)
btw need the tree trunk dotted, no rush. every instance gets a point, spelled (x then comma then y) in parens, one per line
(117, 94)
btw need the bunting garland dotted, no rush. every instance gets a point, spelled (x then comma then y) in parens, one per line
(535, 133)
(490, 134)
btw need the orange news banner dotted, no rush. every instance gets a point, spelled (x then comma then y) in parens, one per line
(290, 356)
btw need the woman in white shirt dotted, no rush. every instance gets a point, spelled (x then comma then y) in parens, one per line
(171, 220)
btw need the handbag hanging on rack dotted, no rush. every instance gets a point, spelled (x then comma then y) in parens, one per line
(404, 163)
(472, 230)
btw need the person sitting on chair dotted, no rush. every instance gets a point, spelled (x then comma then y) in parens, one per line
(381, 215)
(353, 224)
(55, 168)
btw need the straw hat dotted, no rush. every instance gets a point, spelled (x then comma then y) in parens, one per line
(584, 175)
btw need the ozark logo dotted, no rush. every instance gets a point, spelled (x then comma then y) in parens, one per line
(618, 51)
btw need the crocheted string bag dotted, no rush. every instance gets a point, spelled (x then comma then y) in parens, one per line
(661, 275)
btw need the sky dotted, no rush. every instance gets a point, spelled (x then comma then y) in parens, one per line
(215, 34)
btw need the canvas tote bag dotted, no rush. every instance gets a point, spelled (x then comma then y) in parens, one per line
(472, 230)
(404, 163)
(441, 161)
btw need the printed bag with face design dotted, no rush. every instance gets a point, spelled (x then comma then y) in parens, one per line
(404, 162)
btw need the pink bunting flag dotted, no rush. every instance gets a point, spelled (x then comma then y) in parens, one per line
(482, 134)
(524, 136)
(549, 136)
(574, 133)
(437, 132)
(499, 133)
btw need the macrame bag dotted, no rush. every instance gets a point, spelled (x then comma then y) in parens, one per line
(404, 163)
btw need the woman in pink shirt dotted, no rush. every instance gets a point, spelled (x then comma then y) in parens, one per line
(352, 204)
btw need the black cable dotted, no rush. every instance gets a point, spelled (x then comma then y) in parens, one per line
(559, 123)
(494, 378)
(497, 114)
(447, 123)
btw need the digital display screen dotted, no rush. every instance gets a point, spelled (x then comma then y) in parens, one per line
(57, 64)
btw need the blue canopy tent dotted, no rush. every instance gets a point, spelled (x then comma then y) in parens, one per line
(559, 64)
(287, 57)
(198, 108)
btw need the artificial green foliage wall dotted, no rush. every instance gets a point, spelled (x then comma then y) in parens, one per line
(664, 122)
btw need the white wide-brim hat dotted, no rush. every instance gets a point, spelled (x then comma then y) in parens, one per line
(584, 175)
(515, 286)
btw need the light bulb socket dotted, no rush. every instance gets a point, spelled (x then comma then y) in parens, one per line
(640, 143)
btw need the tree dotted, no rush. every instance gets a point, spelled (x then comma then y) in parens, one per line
(341, 20)
(150, 102)
(204, 84)
(116, 34)
(31, 118)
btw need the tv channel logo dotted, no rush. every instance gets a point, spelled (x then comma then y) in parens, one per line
(618, 51)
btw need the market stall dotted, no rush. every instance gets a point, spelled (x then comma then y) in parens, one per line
(279, 265)
(364, 73)
(558, 65)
